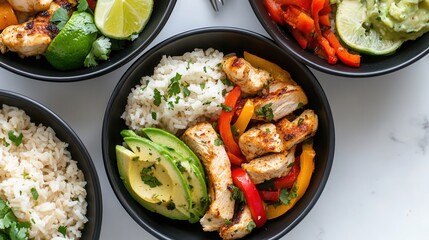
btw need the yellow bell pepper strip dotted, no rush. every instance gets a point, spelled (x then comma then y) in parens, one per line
(224, 123)
(244, 117)
(275, 70)
(254, 201)
(301, 184)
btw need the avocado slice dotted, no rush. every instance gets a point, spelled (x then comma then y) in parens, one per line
(153, 179)
(129, 133)
(196, 184)
(167, 139)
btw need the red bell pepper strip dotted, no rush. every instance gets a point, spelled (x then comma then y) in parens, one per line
(325, 20)
(326, 8)
(298, 19)
(270, 196)
(254, 201)
(225, 122)
(234, 159)
(304, 4)
(288, 180)
(299, 37)
(316, 6)
(347, 58)
(329, 51)
(274, 10)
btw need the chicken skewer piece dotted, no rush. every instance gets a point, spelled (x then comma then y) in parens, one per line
(33, 37)
(30, 6)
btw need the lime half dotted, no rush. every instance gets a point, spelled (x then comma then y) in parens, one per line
(120, 19)
(357, 32)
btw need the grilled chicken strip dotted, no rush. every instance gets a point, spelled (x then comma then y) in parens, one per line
(260, 140)
(303, 127)
(33, 37)
(30, 6)
(250, 79)
(280, 100)
(201, 139)
(239, 226)
(269, 166)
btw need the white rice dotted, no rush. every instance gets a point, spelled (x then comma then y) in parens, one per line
(200, 71)
(41, 162)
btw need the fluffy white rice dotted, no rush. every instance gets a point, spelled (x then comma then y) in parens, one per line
(41, 162)
(200, 72)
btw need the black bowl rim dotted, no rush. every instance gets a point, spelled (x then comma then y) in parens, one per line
(81, 147)
(203, 30)
(270, 29)
(109, 68)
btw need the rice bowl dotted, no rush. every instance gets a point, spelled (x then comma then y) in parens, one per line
(39, 179)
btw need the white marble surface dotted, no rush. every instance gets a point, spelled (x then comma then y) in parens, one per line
(378, 187)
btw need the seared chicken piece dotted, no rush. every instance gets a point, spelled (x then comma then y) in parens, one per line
(33, 37)
(239, 226)
(250, 79)
(201, 139)
(30, 6)
(269, 166)
(280, 100)
(260, 140)
(303, 127)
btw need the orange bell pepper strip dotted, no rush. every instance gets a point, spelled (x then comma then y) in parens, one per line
(301, 184)
(7, 15)
(316, 6)
(299, 37)
(298, 19)
(224, 122)
(244, 117)
(347, 58)
(325, 20)
(329, 51)
(278, 73)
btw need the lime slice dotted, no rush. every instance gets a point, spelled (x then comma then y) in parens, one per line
(69, 48)
(357, 32)
(120, 19)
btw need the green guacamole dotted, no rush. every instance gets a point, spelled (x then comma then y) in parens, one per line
(399, 19)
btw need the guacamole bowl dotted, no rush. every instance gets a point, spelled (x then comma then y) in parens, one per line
(226, 40)
(371, 65)
(40, 69)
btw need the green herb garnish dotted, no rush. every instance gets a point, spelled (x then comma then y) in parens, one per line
(226, 108)
(147, 177)
(174, 87)
(62, 230)
(266, 111)
(156, 97)
(15, 139)
(60, 18)
(34, 193)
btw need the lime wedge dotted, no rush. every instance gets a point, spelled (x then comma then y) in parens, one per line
(120, 19)
(357, 32)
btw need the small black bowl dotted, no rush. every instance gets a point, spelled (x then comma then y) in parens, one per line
(40, 114)
(408, 53)
(227, 40)
(40, 68)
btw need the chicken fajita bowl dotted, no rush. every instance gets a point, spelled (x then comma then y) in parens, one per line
(218, 133)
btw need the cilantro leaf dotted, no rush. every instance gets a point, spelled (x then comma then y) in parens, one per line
(60, 18)
(174, 86)
(286, 196)
(62, 230)
(15, 139)
(147, 177)
(34, 193)
(226, 108)
(100, 51)
(186, 91)
(83, 6)
(250, 226)
(265, 111)
(156, 97)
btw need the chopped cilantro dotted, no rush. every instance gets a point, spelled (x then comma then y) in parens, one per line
(234, 131)
(267, 130)
(300, 121)
(218, 142)
(291, 164)
(62, 230)
(300, 105)
(147, 177)
(226, 108)
(174, 86)
(265, 111)
(15, 139)
(34, 193)
(227, 82)
(205, 69)
(186, 91)
(250, 226)
(10, 227)
(214, 124)
(156, 97)
(237, 194)
(171, 205)
(5, 143)
(153, 115)
(60, 18)
(227, 221)
(202, 85)
(100, 51)
(224, 92)
(83, 6)
(286, 195)
(269, 184)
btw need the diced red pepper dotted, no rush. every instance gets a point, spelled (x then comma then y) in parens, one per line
(274, 10)
(225, 122)
(254, 201)
(288, 180)
(270, 196)
(347, 58)
(304, 4)
(298, 19)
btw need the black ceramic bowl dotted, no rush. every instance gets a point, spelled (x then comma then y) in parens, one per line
(227, 40)
(40, 114)
(408, 53)
(40, 69)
